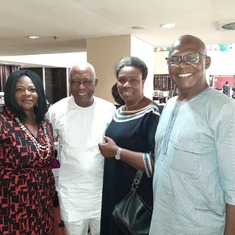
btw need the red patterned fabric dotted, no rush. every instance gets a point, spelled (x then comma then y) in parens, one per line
(26, 181)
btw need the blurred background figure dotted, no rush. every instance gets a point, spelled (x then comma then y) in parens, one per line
(2, 103)
(226, 89)
(117, 98)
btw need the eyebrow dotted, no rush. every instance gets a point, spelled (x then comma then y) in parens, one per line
(81, 79)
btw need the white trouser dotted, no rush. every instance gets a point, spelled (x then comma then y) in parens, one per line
(81, 227)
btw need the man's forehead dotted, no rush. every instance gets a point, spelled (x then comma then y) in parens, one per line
(186, 48)
(81, 77)
(82, 73)
(187, 43)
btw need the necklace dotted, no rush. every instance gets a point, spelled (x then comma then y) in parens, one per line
(40, 148)
(126, 108)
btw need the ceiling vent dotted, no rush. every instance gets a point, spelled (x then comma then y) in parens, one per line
(227, 25)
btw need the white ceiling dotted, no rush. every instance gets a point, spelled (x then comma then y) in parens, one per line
(64, 25)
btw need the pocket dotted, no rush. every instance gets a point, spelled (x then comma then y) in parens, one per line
(187, 156)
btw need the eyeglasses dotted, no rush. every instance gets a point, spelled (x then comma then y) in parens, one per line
(192, 58)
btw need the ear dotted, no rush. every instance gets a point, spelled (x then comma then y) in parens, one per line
(96, 82)
(207, 62)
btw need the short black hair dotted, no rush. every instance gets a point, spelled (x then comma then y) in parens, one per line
(133, 62)
(9, 95)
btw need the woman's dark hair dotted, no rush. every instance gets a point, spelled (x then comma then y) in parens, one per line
(9, 95)
(133, 62)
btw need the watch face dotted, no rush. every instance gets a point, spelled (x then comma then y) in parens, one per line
(117, 156)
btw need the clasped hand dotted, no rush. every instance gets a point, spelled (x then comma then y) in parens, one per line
(108, 148)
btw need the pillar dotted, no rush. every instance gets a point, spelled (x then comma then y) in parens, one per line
(104, 52)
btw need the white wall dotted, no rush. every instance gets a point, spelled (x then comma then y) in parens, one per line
(144, 51)
(160, 65)
(222, 63)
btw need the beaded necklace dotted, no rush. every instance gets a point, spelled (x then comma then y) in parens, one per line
(38, 146)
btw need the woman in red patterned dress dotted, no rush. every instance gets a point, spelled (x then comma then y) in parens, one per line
(26, 150)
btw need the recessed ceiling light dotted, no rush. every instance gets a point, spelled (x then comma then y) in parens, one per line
(229, 26)
(167, 26)
(33, 37)
(226, 25)
(138, 27)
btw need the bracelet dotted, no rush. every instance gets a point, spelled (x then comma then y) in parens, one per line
(147, 164)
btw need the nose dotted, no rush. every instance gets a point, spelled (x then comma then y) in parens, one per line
(126, 84)
(81, 85)
(182, 62)
(27, 92)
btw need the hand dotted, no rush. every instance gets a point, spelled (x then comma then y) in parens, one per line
(108, 148)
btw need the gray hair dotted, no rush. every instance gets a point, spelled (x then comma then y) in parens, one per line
(83, 64)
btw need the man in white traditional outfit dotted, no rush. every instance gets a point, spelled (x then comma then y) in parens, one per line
(79, 124)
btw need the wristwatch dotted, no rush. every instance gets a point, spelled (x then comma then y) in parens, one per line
(118, 154)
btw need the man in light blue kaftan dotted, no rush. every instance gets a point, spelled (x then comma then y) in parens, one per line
(194, 179)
